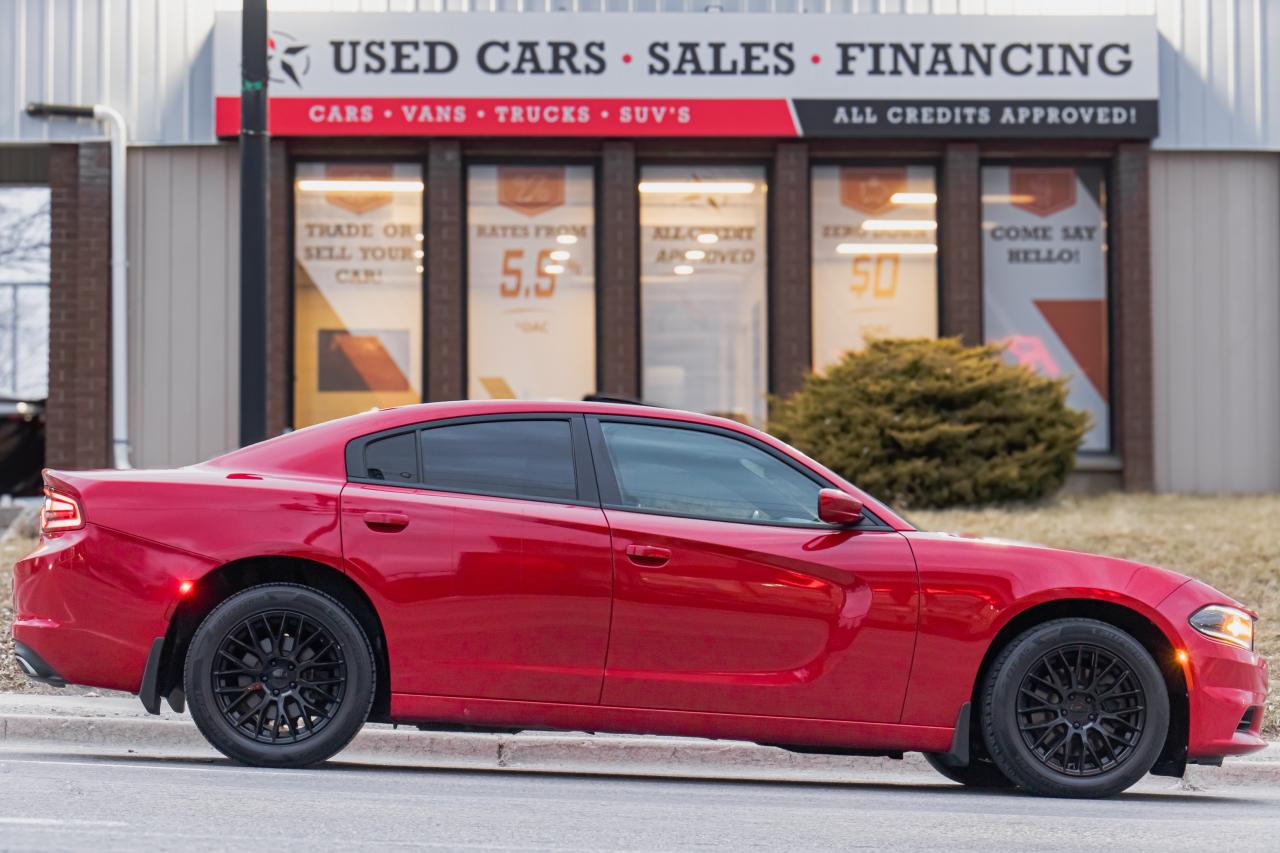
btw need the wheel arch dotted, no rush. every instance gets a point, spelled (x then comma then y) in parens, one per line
(1173, 757)
(225, 581)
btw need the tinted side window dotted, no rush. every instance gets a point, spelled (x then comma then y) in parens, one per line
(705, 475)
(529, 459)
(394, 459)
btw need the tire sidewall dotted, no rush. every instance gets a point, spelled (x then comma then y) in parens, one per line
(1000, 723)
(356, 701)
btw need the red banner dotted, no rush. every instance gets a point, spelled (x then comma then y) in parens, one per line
(517, 117)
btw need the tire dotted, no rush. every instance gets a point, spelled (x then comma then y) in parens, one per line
(1074, 708)
(305, 692)
(978, 773)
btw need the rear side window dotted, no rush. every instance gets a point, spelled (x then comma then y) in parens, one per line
(394, 459)
(522, 459)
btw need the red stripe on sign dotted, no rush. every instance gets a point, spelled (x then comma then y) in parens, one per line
(517, 117)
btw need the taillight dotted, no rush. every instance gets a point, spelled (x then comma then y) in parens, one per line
(60, 512)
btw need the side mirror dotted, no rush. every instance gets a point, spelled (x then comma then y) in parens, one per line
(837, 507)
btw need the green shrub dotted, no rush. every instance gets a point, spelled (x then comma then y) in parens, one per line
(933, 423)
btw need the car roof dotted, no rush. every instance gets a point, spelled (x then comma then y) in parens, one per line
(310, 451)
(300, 451)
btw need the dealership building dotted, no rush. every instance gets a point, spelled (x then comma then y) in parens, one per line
(690, 203)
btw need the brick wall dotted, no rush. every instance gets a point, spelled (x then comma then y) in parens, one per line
(78, 417)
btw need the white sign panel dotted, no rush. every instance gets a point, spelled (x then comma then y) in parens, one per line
(410, 73)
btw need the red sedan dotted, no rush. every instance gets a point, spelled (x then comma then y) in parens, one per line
(625, 569)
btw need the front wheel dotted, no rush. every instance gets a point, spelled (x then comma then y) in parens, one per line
(1074, 708)
(279, 675)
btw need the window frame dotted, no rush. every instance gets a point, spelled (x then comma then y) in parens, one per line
(611, 494)
(842, 161)
(1109, 212)
(692, 160)
(591, 159)
(583, 466)
(300, 154)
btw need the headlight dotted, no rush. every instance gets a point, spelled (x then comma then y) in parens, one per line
(1228, 624)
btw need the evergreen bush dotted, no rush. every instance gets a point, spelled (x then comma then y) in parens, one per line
(933, 423)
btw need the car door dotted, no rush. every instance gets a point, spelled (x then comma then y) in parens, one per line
(483, 541)
(731, 596)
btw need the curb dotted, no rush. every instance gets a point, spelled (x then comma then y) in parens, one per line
(525, 750)
(538, 751)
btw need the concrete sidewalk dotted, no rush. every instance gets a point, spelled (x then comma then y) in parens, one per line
(111, 723)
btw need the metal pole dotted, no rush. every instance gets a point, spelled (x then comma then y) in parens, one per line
(254, 178)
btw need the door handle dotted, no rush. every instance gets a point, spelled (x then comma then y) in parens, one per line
(648, 555)
(387, 521)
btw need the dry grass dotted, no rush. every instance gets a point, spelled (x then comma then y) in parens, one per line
(1231, 543)
(11, 678)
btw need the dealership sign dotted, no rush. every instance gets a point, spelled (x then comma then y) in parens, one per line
(690, 74)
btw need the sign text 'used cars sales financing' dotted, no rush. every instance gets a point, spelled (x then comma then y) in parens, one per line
(685, 74)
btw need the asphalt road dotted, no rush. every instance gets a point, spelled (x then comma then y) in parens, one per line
(58, 799)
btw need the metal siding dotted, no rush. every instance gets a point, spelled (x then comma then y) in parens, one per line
(153, 58)
(184, 303)
(1216, 311)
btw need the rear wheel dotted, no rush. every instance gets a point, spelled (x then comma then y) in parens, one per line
(279, 675)
(1074, 708)
(978, 773)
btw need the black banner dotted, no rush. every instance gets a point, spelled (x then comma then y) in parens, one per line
(959, 119)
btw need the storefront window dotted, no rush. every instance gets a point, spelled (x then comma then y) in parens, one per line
(1044, 279)
(703, 273)
(358, 263)
(531, 282)
(875, 272)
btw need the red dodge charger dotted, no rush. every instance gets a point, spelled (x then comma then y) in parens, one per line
(513, 565)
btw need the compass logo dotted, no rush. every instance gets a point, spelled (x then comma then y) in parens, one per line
(287, 59)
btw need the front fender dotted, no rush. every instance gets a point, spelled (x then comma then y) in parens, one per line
(972, 590)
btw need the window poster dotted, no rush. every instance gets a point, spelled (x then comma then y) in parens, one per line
(702, 285)
(875, 271)
(1044, 280)
(531, 312)
(358, 263)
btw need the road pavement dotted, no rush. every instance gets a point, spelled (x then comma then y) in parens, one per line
(59, 797)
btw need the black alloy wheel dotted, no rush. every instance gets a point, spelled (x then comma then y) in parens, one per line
(1081, 710)
(1074, 708)
(279, 675)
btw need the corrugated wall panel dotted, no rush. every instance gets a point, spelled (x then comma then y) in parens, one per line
(184, 303)
(1215, 246)
(1219, 65)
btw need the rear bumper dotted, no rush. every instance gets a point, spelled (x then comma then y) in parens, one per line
(89, 603)
(35, 666)
(1226, 685)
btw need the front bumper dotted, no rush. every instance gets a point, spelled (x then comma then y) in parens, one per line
(1226, 685)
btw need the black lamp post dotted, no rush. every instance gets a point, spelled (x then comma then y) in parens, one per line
(254, 179)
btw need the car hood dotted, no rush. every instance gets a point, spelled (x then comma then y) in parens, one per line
(1042, 567)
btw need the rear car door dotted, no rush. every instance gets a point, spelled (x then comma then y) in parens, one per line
(484, 545)
(732, 596)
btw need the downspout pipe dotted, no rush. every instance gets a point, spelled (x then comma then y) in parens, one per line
(120, 446)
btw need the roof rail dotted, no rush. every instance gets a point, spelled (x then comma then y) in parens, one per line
(613, 398)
